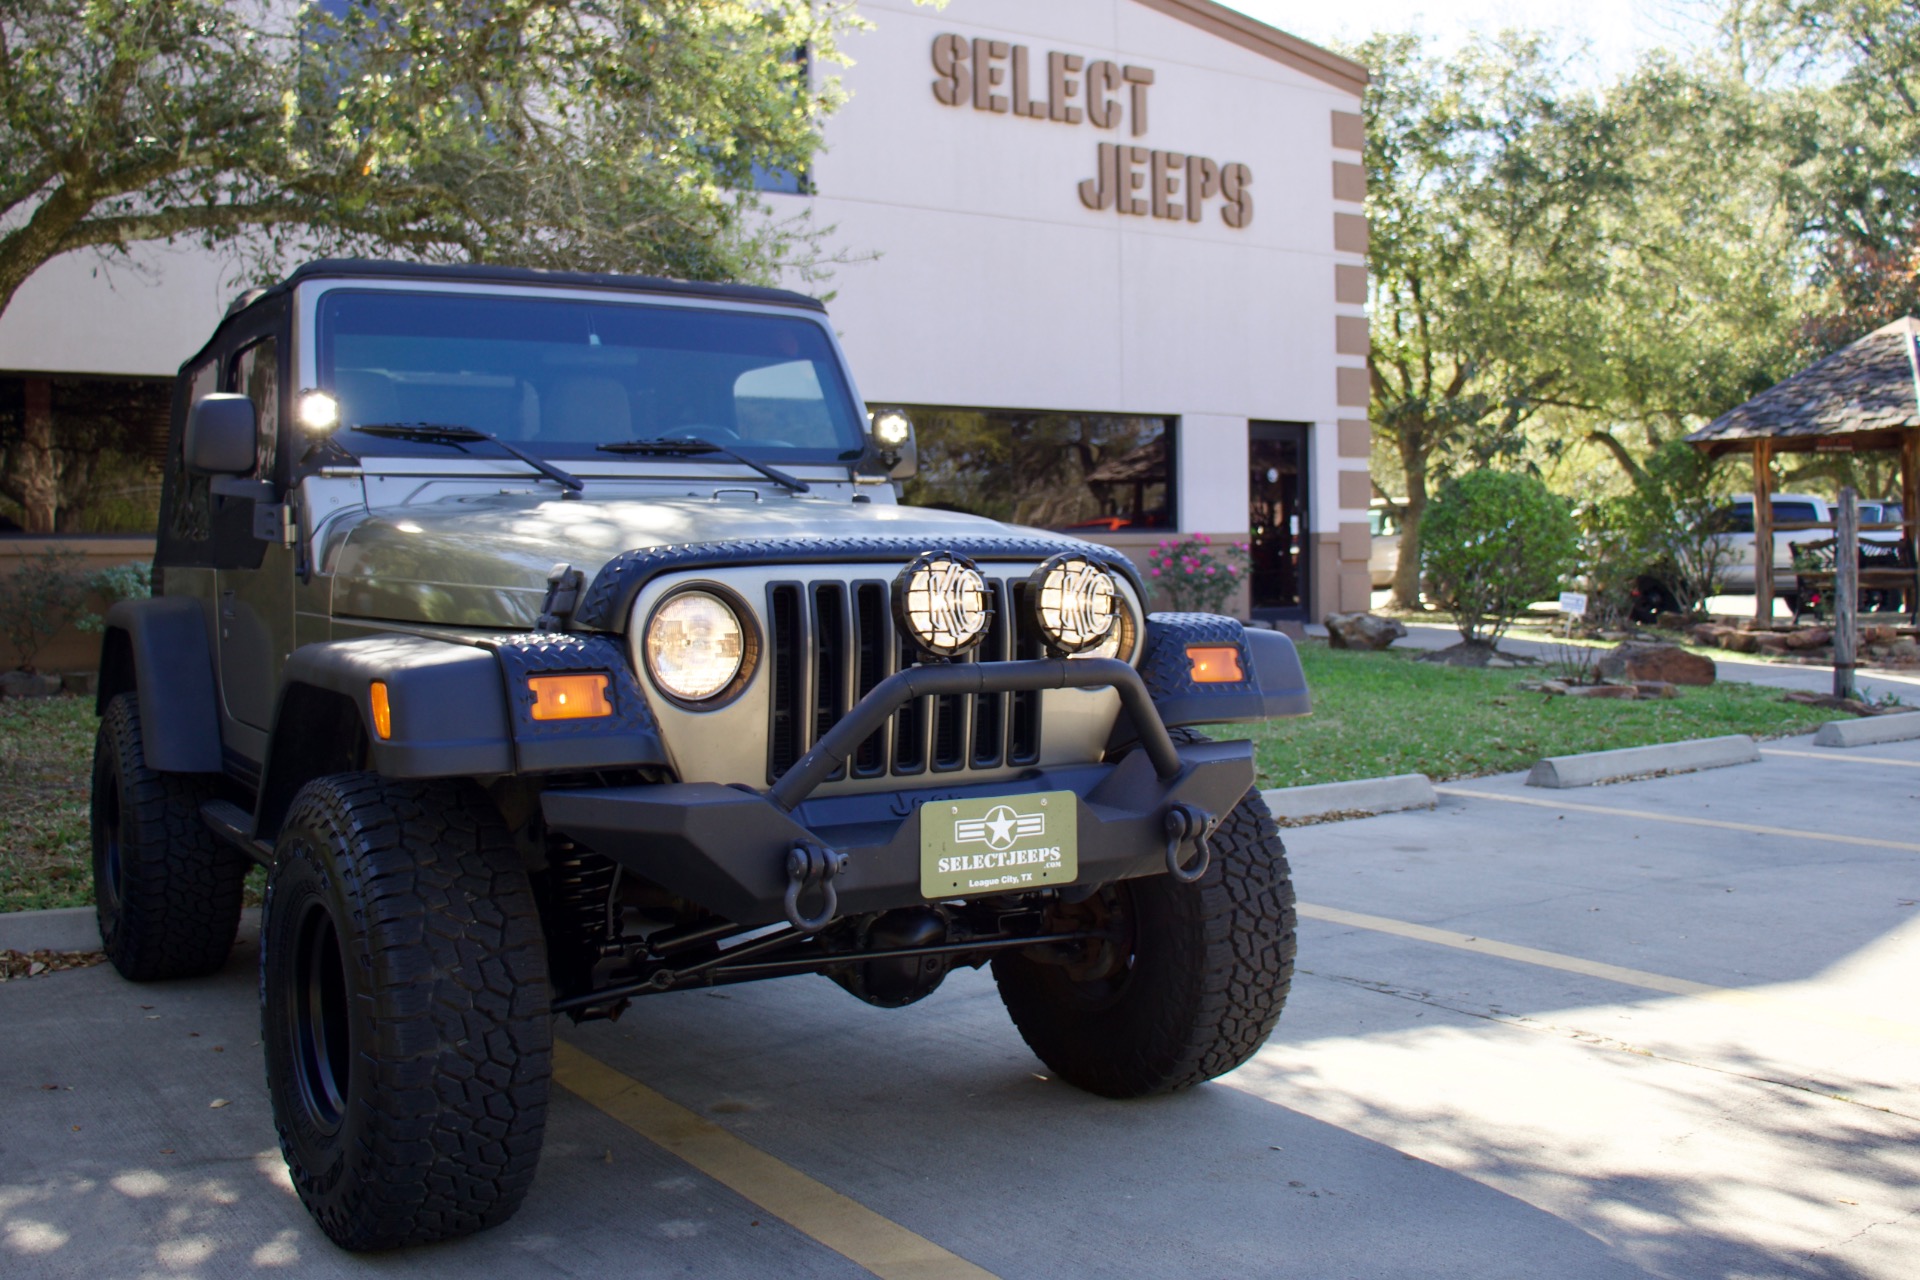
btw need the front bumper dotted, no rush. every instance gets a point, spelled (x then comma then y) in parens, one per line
(727, 848)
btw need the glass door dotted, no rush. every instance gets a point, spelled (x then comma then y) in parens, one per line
(1277, 518)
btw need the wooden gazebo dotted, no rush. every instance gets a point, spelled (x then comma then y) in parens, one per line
(1862, 398)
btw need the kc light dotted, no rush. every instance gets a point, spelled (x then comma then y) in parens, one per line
(318, 412)
(941, 601)
(696, 646)
(1074, 603)
(892, 428)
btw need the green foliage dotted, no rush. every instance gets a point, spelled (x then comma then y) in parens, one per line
(130, 581)
(39, 599)
(1670, 524)
(1496, 541)
(598, 134)
(1198, 574)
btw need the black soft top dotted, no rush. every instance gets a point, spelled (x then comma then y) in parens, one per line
(383, 269)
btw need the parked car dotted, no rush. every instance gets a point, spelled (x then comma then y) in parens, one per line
(1787, 508)
(1383, 558)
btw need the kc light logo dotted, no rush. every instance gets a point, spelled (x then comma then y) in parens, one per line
(1000, 828)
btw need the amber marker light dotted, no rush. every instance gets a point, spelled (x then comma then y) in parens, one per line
(1215, 664)
(569, 697)
(382, 709)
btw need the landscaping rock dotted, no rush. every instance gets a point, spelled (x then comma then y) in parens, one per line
(1810, 638)
(1739, 641)
(1665, 663)
(1877, 635)
(83, 683)
(28, 684)
(1656, 689)
(1362, 631)
(1709, 633)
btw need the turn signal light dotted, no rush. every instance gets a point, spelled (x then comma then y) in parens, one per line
(1215, 664)
(382, 709)
(569, 697)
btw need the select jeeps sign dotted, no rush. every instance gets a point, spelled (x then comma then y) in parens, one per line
(996, 76)
(998, 844)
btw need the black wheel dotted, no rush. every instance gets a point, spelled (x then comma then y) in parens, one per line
(1192, 992)
(404, 1009)
(165, 888)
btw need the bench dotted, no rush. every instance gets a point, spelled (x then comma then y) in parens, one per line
(1887, 573)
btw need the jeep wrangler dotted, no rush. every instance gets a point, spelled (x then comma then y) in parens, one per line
(555, 640)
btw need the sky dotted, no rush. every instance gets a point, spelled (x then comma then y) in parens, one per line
(1616, 31)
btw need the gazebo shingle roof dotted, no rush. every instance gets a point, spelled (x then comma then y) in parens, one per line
(1867, 387)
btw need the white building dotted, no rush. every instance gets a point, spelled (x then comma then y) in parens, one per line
(1117, 272)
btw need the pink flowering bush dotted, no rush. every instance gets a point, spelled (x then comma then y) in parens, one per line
(1197, 573)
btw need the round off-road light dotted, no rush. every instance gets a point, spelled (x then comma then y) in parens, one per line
(1075, 602)
(892, 428)
(695, 645)
(318, 412)
(1119, 641)
(942, 602)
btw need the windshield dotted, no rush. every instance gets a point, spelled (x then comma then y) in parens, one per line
(560, 377)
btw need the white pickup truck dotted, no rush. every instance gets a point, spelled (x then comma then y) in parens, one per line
(1788, 508)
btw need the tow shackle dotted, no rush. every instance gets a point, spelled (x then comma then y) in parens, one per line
(807, 866)
(1182, 823)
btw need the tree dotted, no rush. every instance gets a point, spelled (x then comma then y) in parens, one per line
(1483, 189)
(618, 135)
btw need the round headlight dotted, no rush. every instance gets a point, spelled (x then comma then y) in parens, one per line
(942, 602)
(695, 645)
(1074, 602)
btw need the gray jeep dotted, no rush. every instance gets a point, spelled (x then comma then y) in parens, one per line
(555, 640)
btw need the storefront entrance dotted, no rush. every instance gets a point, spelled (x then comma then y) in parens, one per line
(1277, 493)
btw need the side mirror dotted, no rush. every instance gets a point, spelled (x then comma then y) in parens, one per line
(220, 435)
(892, 450)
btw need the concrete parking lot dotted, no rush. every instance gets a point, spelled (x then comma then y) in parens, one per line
(1660, 1028)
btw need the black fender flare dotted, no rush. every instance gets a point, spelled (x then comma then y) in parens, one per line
(447, 705)
(158, 649)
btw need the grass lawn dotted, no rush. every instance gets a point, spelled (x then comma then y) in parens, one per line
(1376, 714)
(46, 771)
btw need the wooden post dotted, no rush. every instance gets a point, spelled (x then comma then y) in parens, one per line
(1763, 534)
(1846, 593)
(1910, 508)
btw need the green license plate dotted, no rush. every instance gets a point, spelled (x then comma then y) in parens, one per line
(1002, 844)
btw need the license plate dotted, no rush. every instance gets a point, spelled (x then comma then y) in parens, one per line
(1002, 844)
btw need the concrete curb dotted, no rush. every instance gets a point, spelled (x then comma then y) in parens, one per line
(1596, 767)
(1368, 795)
(57, 929)
(1868, 731)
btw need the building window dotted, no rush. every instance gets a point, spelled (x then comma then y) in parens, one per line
(1083, 472)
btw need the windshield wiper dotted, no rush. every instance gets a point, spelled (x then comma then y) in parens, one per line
(451, 433)
(692, 445)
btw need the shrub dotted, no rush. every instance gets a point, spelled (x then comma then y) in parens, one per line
(1198, 574)
(130, 581)
(40, 598)
(1672, 521)
(1492, 543)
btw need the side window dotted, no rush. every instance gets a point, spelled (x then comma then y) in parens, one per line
(256, 375)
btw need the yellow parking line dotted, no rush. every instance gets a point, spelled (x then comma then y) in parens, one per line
(1868, 1024)
(846, 1226)
(1716, 823)
(1838, 757)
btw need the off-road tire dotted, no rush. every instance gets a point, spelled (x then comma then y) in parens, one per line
(166, 889)
(1210, 967)
(404, 1008)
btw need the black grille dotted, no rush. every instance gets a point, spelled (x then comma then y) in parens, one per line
(830, 643)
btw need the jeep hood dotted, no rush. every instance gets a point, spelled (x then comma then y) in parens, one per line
(483, 560)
